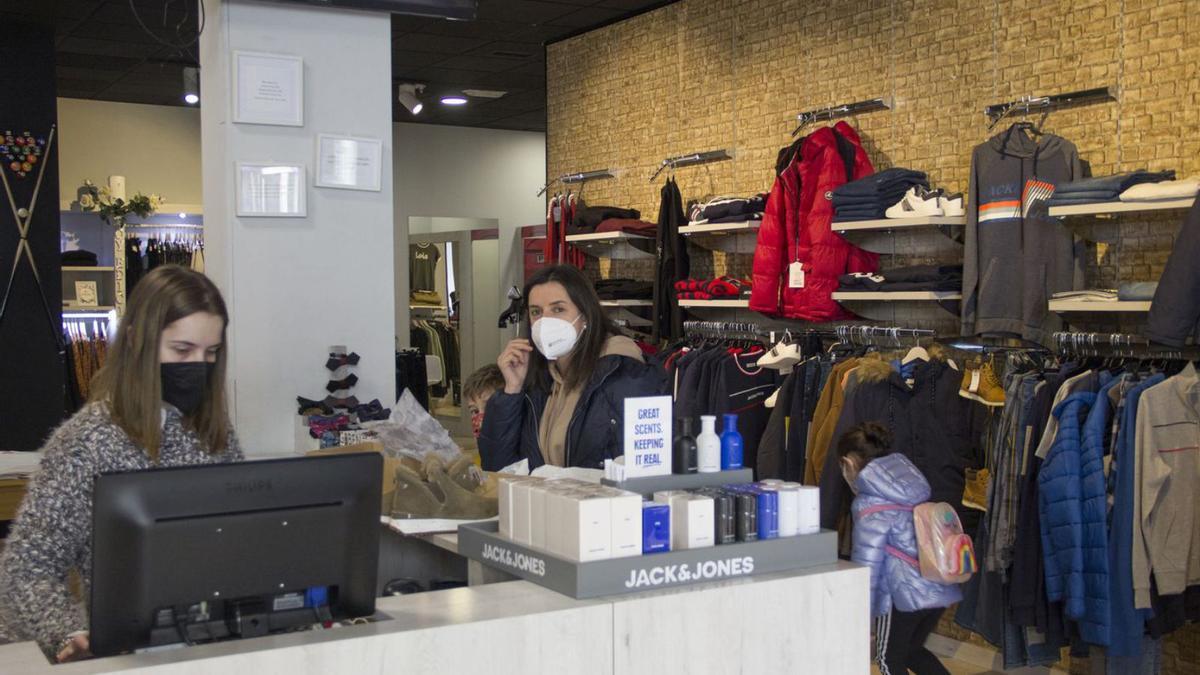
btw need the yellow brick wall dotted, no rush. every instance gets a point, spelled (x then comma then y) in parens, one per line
(708, 74)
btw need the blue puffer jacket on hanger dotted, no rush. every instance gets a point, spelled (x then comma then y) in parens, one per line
(1071, 508)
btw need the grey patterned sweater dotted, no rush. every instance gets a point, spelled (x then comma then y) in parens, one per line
(52, 531)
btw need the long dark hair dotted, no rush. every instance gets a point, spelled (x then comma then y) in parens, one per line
(130, 383)
(591, 341)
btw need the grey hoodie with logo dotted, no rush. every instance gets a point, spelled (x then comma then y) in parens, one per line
(1016, 256)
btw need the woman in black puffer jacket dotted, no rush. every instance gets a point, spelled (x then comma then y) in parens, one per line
(565, 382)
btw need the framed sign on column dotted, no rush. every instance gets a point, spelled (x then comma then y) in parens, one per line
(271, 190)
(268, 89)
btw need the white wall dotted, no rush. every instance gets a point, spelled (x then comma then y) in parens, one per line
(460, 172)
(295, 286)
(156, 148)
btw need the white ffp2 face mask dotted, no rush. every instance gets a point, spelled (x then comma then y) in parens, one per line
(554, 337)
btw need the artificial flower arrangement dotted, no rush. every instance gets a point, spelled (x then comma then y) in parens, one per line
(114, 210)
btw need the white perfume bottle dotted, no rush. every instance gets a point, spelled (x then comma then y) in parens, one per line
(708, 446)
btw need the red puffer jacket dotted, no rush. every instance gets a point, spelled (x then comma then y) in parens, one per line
(796, 227)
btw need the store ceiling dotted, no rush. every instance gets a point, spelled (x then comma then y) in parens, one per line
(104, 54)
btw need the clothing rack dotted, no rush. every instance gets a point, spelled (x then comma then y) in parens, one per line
(582, 177)
(988, 345)
(843, 110)
(692, 159)
(1119, 345)
(1027, 104)
(869, 336)
(165, 226)
(721, 329)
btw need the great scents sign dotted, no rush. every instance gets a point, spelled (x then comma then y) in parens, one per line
(647, 436)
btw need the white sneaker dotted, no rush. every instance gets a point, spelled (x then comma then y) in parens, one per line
(912, 206)
(952, 206)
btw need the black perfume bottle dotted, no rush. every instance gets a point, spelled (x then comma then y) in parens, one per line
(683, 455)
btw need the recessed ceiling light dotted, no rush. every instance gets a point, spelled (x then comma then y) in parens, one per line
(191, 99)
(454, 98)
(182, 215)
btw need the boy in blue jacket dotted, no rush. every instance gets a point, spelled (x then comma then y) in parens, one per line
(904, 605)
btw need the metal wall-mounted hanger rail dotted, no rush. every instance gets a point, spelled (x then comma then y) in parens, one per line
(1045, 104)
(843, 110)
(1119, 345)
(692, 159)
(880, 335)
(581, 177)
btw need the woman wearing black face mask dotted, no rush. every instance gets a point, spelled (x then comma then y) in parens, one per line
(159, 401)
(566, 382)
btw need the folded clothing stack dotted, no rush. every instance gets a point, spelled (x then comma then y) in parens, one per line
(588, 218)
(1088, 295)
(79, 258)
(624, 289)
(1164, 191)
(721, 288)
(630, 225)
(1137, 291)
(914, 278)
(728, 210)
(869, 198)
(1104, 188)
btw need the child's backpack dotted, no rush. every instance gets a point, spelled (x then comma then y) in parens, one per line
(945, 553)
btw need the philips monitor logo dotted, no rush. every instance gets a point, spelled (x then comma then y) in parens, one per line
(249, 486)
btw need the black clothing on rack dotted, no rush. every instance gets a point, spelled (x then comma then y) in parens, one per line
(672, 264)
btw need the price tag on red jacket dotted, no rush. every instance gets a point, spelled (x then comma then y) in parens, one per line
(796, 275)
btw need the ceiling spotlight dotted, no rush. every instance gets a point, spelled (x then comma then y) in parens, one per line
(191, 85)
(454, 98)
(408, 95)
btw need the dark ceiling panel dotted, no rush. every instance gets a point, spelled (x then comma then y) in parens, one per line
(437, 44)
(588, 16)
(480, 64)
(104, 54)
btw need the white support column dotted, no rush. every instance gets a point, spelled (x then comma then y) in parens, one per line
(296, 286)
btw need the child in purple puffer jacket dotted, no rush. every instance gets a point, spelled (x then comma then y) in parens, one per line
(904, 605)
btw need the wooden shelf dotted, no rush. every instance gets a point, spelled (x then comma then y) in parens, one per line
(896, 223)
(1101, 208)
(713, 304)
(1099, 306)
(92, 310)
(626, 303)
(897, 296)
(87, 269)
(721, 228)
(606, 237)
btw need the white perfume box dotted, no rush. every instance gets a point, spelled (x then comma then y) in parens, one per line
(626, 523)
(586, 528)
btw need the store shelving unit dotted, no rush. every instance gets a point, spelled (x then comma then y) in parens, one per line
(896, 296)
(87, 269)
(886, 224)
(716, 304)
(615, 245)
(1101, 306)
(1106, 208)
(102, 309)
(626, 303)
(721, 228)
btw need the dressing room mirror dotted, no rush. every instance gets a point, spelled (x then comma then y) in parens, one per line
(453, 308)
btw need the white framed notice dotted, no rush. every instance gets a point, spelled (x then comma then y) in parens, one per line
(349, 163)
(268, 89)
(271, 190)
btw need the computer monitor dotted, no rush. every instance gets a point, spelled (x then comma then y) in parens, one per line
(203, 553)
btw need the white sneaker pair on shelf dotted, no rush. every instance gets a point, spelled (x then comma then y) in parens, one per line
(918, 202)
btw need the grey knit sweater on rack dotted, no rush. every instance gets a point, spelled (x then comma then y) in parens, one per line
(52, 532)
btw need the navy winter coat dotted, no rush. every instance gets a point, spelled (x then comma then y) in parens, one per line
(886, 483)
(1072, 512)
(596, 431)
